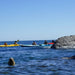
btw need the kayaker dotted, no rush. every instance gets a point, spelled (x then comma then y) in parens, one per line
(15, 42)
(53, 41)
(5, 43)
(34, 43)
(45, 42)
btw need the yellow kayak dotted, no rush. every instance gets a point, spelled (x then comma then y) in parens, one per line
(11, 45)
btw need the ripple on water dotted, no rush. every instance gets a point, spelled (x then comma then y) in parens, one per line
(36, 61)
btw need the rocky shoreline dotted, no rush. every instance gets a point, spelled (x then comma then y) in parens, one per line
(65, 42)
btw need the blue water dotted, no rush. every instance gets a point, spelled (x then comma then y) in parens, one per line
(31, 61)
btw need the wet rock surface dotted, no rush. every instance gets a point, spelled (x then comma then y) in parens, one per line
(65, 42)
(11, 62)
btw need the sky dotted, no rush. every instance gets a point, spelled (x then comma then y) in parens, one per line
(36, 19)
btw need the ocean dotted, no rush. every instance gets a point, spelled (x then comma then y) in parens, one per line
(32, 61)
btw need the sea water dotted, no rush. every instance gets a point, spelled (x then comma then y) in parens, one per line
(32, 61)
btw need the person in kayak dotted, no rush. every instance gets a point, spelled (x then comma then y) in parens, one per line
(34, 43)
(45, 42)
(15, 42)
(5, 43)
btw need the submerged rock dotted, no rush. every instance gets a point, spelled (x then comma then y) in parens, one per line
(65, 42)
(11, 62)
(72, 57)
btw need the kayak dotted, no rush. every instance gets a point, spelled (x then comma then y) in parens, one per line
(45, 46)
(28, 45)
(38, 46)
(11, 45)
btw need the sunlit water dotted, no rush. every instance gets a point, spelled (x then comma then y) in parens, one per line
(30, 61)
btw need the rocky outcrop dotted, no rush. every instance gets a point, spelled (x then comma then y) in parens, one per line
(65, 42)
(11, 62)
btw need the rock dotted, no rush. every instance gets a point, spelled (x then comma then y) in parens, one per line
(11, 62)
(72, 57)
(65, 42)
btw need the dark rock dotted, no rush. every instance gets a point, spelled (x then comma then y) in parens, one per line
(65, 42)
(72, 57)
(11, 62)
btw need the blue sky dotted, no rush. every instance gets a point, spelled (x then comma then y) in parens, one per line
(36, 19)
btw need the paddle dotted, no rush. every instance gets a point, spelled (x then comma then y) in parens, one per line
(17, 40)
